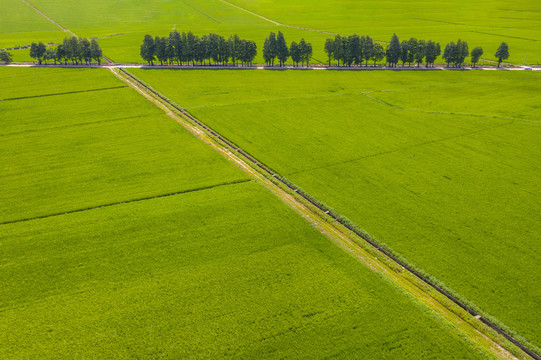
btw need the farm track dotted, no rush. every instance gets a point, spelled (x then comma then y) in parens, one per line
(275, 22)
(123, 202)
(254, 163)
(48, 18)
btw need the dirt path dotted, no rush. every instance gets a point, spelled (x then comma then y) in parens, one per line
(275, 22)
(48, 18)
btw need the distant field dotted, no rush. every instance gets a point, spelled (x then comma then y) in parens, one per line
(225, 271)
(455, 194)
(125, 23)
(21, 25)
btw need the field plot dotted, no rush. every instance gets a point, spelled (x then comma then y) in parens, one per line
(121, 25)
(454, 194)
(213, 269)
(21, 26)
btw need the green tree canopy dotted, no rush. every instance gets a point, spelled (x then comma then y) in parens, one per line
(476, 54)
(502, 53)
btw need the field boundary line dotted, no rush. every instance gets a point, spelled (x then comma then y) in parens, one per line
(48, 18)
(401, 149)
(74, 125)
(276, 22)
(65, 93)
(125, 202)
(444, 112)
(201, 12)
(324, 217)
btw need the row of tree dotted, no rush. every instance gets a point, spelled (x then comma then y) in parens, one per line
(275, 47)
(353, 50)
(76, 49)
(188, 48)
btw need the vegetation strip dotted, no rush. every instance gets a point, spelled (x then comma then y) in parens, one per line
(126, 202)
(339, 219)
(64, 93)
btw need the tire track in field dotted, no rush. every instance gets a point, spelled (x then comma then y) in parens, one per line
(74, 125)
(125, 202)
(201, 12)
(276, 22)
(446, 113)
(401, 149)
(65, 93)
(323, 208)
(48, 18)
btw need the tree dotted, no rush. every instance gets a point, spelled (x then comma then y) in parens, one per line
(338, 49)
(71, 49)
(202, 50)
(234, 47)
(50, 54)
(353, 50)
(160, 46)
(476, 55)
(251, 51)
(269, 49)
(432, 51)
(378, 54)
(148, 49)
(176, 48)
(420, 52)
(60, 55)
(412, 50)
(282, 51)
(404, 52)
(170, 51)
(461, 52)
(329, 49)
(6, 57)
(295, 53)
(34, 51)
(305, 50)
(368, 48)
(502, 53)
(95, 51)
(393, 51)
(84, 50)
(449, 53)
(191, 46)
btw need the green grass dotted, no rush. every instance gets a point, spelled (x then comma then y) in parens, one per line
(480, 23)
(66, 152)
(34, 82)
(453, 194)
(21, 25)
(225, 271)
(222, 273)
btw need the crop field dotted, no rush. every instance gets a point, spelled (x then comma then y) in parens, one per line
(21, 25)
(124, 236)
(443, 167)
(122, 25)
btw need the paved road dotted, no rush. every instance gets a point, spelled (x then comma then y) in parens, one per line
(261, 67)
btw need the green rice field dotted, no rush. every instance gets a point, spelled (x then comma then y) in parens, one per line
(122, 25)
(124, 236)
(440, 166)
